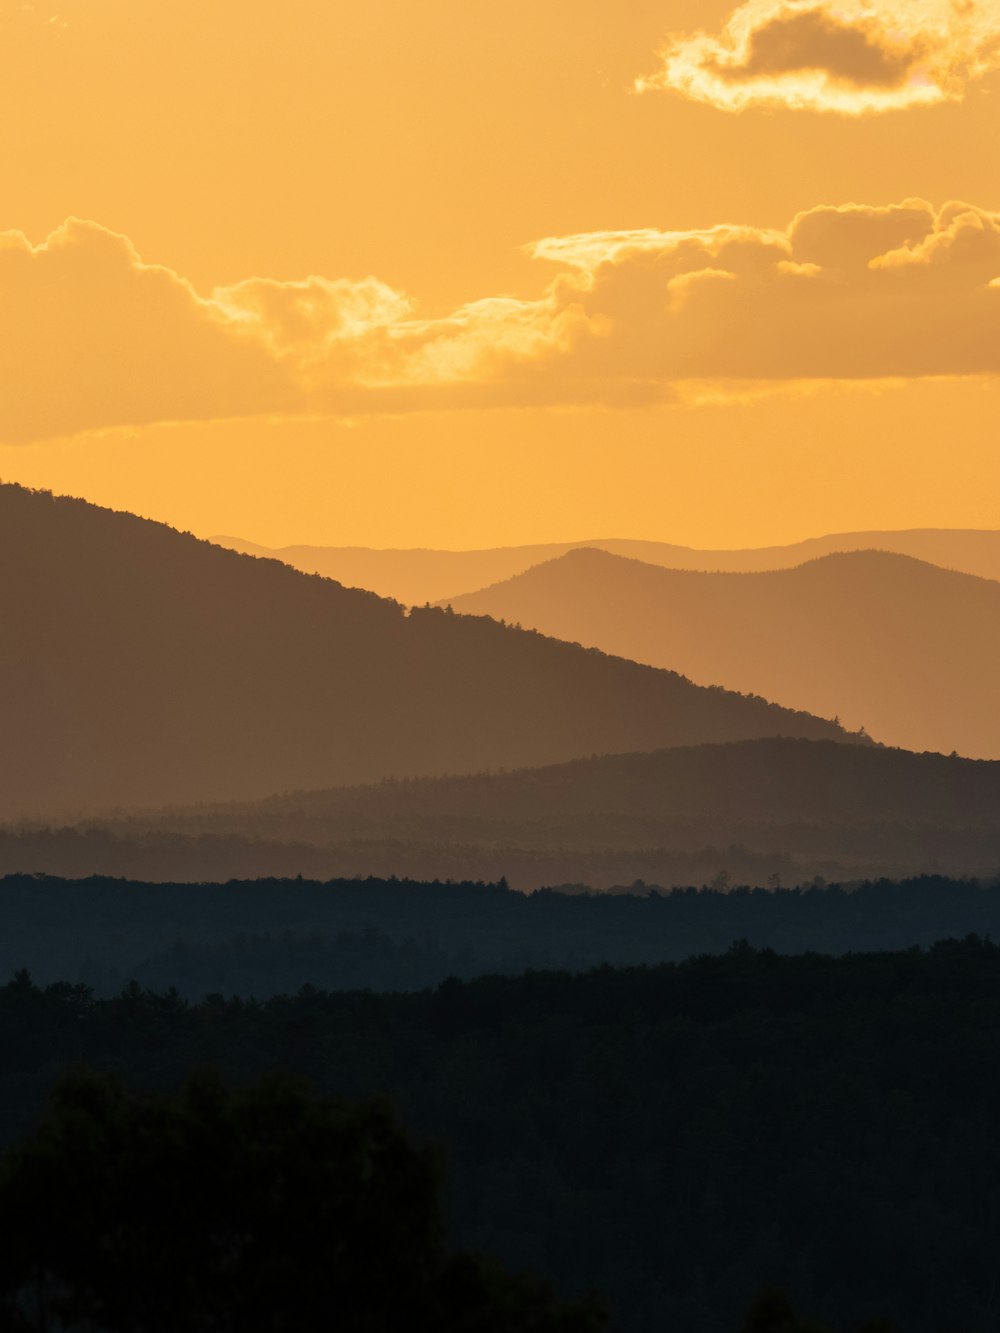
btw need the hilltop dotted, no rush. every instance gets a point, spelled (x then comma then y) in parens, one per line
(884, 641)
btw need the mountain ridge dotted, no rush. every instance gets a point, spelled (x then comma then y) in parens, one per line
(876, 638)
(417, 574)
(141, 665)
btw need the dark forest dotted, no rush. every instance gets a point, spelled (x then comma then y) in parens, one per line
(679, 1136)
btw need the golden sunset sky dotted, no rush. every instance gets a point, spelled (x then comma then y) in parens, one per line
(461, 274)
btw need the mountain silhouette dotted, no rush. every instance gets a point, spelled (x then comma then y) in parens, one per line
(750, 809)
(901, 647)
(140, 666)
(421, 575)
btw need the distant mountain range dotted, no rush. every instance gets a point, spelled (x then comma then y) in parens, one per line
(904, 648)
(754, 812)
(418, 576)
(140, 666)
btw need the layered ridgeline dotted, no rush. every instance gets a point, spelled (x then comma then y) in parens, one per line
(754, 812)
(419, 575)
(139, 666)
(262, 937)
(899, 646)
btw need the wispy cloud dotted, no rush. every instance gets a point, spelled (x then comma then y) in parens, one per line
(844, 56)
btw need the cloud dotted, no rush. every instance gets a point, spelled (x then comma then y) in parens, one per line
(311, 317)
(93, 337)
(850, 292)
(90, 336)
(844, 56)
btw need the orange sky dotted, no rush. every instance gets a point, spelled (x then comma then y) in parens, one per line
(308, 301)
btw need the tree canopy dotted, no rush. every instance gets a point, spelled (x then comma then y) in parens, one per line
(266, 1210)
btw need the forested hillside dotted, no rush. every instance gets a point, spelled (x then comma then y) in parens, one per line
(139, 665)
(265, 937)
(755, 812)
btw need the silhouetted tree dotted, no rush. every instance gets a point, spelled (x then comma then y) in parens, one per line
(263, 1211)
(773, 1312)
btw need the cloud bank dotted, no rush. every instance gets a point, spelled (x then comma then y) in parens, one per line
(843, 56)
(93, 337)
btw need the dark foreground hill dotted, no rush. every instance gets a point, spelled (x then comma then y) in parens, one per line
(677, 1137)
(879, 639)
(420, 575)
(139, 665)
(750, 811)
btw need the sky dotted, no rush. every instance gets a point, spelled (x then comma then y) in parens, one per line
(458, 274)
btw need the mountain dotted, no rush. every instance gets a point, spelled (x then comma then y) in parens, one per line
(412, 577)
(904, 648)
(418, 576)
(139, 665)
(749, 811)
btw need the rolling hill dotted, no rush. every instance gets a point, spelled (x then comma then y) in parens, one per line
(418, 576)
(901, 647)
(748, 811)
(140, 666)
